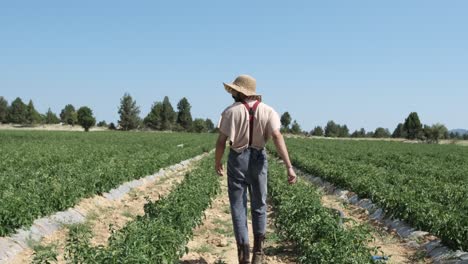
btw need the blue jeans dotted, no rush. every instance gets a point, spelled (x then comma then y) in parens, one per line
(247, 171)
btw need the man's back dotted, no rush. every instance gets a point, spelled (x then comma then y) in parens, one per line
(234, 123)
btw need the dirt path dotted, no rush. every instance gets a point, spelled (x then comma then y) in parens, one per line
(214, 241)
(102, 213)
(388, 243)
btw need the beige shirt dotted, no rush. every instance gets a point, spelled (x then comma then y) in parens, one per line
(234, 123)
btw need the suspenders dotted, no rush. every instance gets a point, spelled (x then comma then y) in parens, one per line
(252, 111)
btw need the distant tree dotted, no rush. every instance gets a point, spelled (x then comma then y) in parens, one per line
(112, 126)
(18, 112)
(286, 121)
(370, 134)
(102, 123)
(332, 129)
(68, 115)
(154, 118)
(318, 131)
(168, 115)
(413, 126)
(51, 118)
(381, 132)
(184, 117)
(199, 125)
(399, 131)
(86, 118)
(129, 113)
(435, 132)
(359, 133)
(296, 128)
(3, 110)
(209, 125)
(32, 116)
(465, 136)
(343, 131)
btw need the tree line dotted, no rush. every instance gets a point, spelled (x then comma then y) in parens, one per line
(411, 128)
(162, 116)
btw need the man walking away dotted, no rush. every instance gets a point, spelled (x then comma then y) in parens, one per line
(248, 124)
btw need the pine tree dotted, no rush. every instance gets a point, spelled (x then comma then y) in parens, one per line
(154, 118)
(184, 117)
(68, 115)
(168, 116)
(413, 126)
(33, 117)
(51, 118)
(3, 110)
(18, 112)
(318, 131)
(129, 113)
(286, 121)
(296, 128)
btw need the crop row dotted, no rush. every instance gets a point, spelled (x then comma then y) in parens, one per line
(161, 234)
(45, 172)
(316, 231)
(426, 185)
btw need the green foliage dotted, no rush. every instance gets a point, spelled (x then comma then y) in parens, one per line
(209, 125)
(3, 110)
(32, 116)
(45, 172)
(296, 128)
(184, 117)
(381, 132)
(318, 131)
(286, 121)
(426, 185)
(51, 118)
(129, 113)
(413, 126)
(335, 130)
(86, 118)
(154, 118)
(102, 123)
(168, 116)
(399, 132)
(359, 133)
(69, 115)
(161, 235)
(315, 231)
(199, 125)
(18, 112)
(112, 126)
(436, 132)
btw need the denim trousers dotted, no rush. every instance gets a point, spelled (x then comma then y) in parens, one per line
(247, 171)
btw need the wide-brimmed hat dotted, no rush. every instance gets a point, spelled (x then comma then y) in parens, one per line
(243, 84)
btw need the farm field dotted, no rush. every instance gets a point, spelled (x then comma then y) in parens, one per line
(45, 172)
(426, 185)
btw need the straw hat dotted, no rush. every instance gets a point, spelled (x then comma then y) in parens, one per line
(243, 84)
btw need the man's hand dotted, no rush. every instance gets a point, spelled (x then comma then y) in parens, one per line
(219, 169)
(292, 178)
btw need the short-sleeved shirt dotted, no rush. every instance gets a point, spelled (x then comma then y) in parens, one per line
(234, 123)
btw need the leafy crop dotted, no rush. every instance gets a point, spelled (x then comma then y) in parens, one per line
(161, 235)
(427, 185)
(316, 231)
(45, 172)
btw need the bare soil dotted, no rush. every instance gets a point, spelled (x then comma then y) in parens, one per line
(389, 244)
(214, 241)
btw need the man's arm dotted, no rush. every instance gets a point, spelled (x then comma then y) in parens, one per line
(284, 155)
(220, 147)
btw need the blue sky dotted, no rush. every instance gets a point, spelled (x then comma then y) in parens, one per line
(363, 63)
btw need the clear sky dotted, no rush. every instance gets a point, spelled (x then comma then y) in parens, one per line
(363, 63)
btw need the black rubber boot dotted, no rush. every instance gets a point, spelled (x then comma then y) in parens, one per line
(257, 257)
(243, 253)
